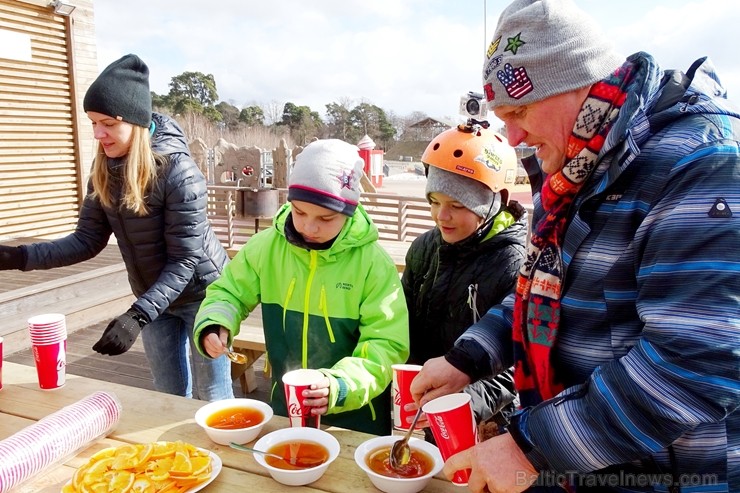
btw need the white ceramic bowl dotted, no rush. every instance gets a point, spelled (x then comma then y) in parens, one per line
(240, 435)
(301, 476)
(397, 485)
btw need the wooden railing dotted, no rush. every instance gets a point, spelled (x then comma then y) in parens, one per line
(398, 217)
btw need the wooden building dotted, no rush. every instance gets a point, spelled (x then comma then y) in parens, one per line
(47, 62)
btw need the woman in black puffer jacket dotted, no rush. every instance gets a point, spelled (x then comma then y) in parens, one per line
(469, 262)
(146, 190)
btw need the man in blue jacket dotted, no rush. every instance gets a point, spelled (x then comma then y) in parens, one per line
(624, 329)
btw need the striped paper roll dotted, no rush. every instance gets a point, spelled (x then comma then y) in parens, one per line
(53, 438)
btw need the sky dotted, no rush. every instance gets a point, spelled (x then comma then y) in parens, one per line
(404, 56)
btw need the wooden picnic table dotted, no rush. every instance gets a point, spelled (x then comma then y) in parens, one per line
(150, 416)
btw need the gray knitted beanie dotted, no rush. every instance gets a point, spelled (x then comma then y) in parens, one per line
(122, 92)
(542, 48)
(474, 195)
(327, 173)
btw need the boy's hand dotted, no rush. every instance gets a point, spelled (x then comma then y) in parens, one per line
(216, 344)
(317, 397)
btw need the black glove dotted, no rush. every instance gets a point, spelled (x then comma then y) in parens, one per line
(12, 257)
(121, 333)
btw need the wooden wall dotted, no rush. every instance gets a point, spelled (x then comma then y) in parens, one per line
(46, 142)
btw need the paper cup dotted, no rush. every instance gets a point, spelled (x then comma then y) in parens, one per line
(294, 383)
(51, 360)
(401, 394)
(453, 426)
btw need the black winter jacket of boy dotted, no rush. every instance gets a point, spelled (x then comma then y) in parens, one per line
(437, 283)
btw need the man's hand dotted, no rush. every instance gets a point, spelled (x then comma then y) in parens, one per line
(436, 378)
(497, 464)
(121, 333)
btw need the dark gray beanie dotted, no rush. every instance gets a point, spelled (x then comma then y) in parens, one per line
(122, 92)
(474, 195)
(542, 48)
(327, 173)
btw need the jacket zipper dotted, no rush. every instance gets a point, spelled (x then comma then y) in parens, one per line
(324, 310)
(306, 298)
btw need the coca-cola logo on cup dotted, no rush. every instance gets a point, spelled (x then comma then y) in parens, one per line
(442, 428)
(396, 397)
(294, 409)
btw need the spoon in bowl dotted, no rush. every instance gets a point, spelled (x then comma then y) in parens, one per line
(400, 454)
(301, 462)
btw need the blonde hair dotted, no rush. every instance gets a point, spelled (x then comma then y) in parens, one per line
(139, 173)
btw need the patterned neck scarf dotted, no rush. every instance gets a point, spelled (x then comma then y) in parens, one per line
(538, 289)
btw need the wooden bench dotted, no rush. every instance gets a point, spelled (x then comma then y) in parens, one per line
(250, 342)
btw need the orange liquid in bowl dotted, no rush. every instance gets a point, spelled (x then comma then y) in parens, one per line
(297, 455)
(234, 418)
(419, 464)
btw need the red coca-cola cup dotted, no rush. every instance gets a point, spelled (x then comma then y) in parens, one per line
(403, 374)
(453, 426)
(294, 383)
(51, 362)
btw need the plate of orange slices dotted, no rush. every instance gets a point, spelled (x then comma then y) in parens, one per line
(157, 467)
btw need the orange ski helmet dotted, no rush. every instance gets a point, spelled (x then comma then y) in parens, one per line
(475, 152)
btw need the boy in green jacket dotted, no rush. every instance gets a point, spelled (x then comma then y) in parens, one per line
(331, 296)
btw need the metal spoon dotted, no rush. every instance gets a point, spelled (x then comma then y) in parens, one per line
(293, 462)
(237, 358)
(400, 451)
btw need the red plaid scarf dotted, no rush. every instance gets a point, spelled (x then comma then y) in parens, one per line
(538, 289)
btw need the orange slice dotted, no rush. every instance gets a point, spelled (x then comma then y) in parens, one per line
(125, 457)
(94, 488)
(94, 473)
(201, 465)
(103, 454)
(143, 485)
(159, 470)
(181, 466)
(163, 449)
(120, 481)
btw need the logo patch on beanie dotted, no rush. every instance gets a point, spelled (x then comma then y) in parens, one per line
(346, 180)
(489, 92)
(515, 80)
(493, 47)
(492, 65)
(513, 44)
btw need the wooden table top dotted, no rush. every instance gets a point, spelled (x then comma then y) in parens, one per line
(150, 416)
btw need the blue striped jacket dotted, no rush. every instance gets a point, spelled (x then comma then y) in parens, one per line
(649, 340)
